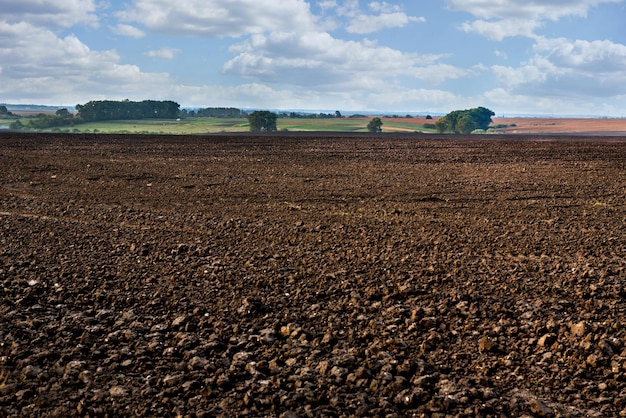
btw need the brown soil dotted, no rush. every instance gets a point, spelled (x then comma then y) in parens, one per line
(308, 275)
(563, 125)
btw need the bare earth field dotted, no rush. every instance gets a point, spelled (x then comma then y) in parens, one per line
(564, 125)
(534, 125)
(305, 275)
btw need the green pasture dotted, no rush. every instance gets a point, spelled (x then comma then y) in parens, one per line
(221, 125)
(346, 125)
(158, 126)
(313, 124)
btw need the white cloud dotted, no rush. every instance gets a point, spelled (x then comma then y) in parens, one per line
(561, 67)
(317, 59)
(50, 13)
(504, 18)
(214, 18)
(42, 66)
(531, 9)
(163, 53)
(500, 29)
(383, 16)
(128, 30)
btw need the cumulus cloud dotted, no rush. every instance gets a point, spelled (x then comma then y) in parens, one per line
(214, 18)
(54, 14)
(500, 29)
(561, 67)
(504, 18)
(381, 15)
(531, 9)
(318, 59)
(43, 65)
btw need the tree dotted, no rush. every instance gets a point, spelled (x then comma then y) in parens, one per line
(466, 124)
(482, 117)
(375, 125)
(442, 125)
(262, 121)
(465, 121)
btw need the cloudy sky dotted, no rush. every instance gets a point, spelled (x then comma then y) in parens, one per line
(552, 57)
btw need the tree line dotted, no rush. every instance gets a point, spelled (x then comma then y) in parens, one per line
(123, 110)
(214, 112)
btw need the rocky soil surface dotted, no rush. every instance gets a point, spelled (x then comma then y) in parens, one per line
(308, 275)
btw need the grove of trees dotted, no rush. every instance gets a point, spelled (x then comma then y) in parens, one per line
(262, 121)
(465, 121)
(125, 109)
(215, 112)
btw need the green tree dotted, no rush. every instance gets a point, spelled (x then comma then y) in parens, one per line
(482, 117)
(466, 124)
(465, 121)
(375, 125)
(442, 125)
(262, 121)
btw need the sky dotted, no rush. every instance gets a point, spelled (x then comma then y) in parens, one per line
(548, 57)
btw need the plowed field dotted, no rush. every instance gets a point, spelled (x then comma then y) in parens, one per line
(305, 275)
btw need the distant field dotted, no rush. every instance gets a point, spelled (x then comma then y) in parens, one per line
(400, 124)
(563, 125)
(221, 125)
(353, 124)
(174, 127)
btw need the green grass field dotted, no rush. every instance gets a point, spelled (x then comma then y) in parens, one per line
(169, 127)
(221, 125)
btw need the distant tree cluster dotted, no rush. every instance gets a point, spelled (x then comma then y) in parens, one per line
(301, 115)
(62, 117)
(120, 110)
(215, 112)
(262, 121)
(465, 121)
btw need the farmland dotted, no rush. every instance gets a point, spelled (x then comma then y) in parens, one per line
(207, 125)
(312, 274)
(203, 125)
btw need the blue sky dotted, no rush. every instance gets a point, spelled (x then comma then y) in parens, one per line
(550, 57)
